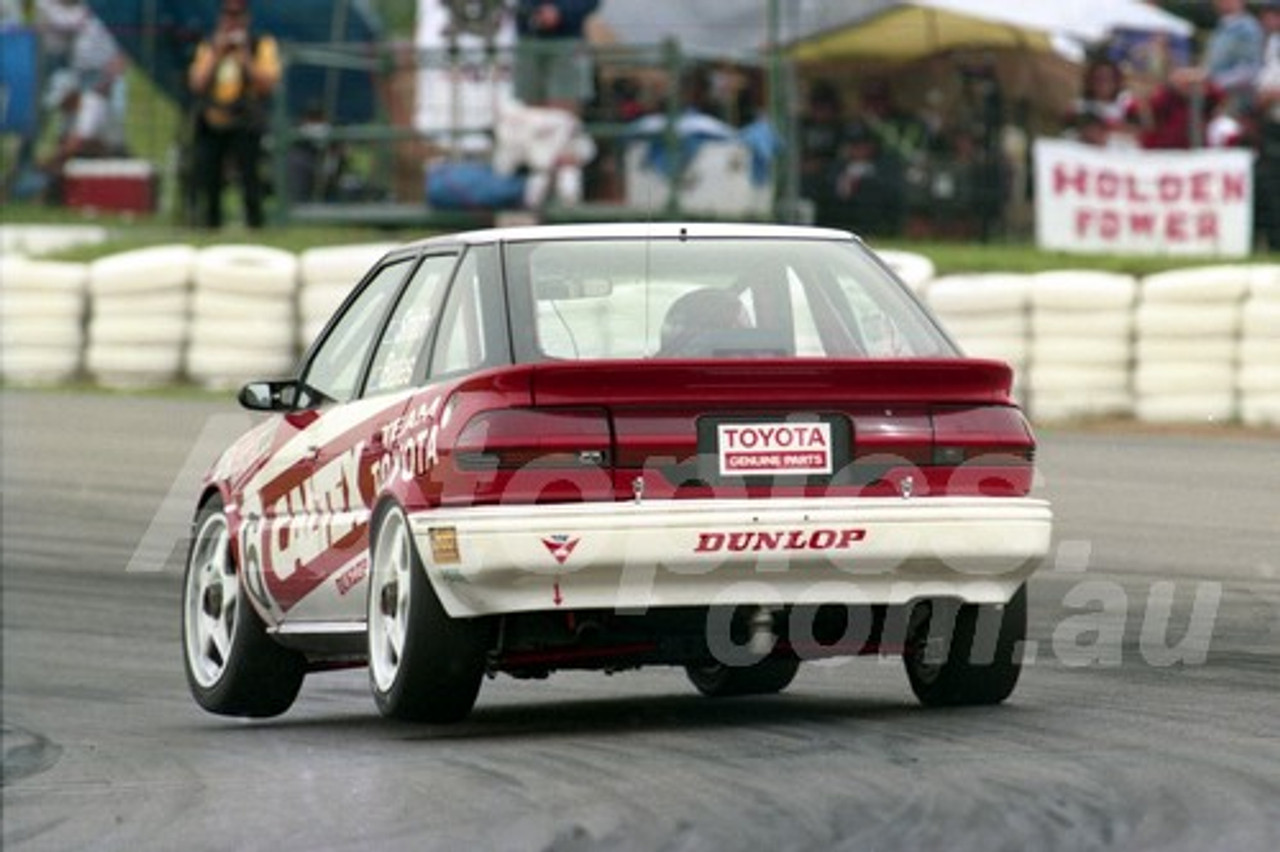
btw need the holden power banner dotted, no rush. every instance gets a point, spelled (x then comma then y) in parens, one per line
(1104, 201)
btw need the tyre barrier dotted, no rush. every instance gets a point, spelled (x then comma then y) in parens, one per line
(1196, 345)
(160, 269)
(344, 264)
(1199, 285)
(1258, 380)
(1188, 329)
(988, 316)
(38, 240)
(326, 277)
(139, 305)
(42, 310)
(1082, 344)
(915, 270)
(257, 272)
(244, 315)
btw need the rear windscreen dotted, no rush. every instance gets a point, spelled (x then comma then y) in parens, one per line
(716, 298)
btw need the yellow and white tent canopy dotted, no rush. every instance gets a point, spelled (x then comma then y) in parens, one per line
(913, 29)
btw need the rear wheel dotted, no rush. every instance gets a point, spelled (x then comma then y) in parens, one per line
(966, 655)
(233, 667)
(763, 678)
(423, 665)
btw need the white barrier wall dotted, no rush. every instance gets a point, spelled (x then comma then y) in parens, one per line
(1191, 345)
(1081, 344)
(1186, 328)
(243, 319)
(139, 313)
(325, 278)
(41, 320)
(988, 317)
(1258, 378)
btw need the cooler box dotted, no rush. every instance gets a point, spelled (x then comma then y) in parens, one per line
(125, 185)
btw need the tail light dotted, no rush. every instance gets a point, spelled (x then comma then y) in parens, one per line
(983, 451)
(517, 438)
(995, 434)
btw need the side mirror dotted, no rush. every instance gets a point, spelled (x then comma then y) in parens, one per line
(271, 396)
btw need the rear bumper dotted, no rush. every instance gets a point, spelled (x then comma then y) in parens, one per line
(632, 557)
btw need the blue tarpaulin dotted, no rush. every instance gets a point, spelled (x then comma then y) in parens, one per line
(18, 96)
(161, 37)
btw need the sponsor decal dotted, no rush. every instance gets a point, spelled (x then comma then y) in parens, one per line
(1100, 200)
(560, 546)
(772, 449)
(305, 511)
(319, 520)
(412, 442)
(771, 541)
(353, 576)
(444, 545)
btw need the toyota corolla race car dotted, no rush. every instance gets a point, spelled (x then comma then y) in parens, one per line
(726, 448)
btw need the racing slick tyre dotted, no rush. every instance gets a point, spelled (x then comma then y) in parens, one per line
(233, 667)
(424, 666)
(977, 663)
(763, 678)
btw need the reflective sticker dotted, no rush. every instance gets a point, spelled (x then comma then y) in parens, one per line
(444, 545)
(560, 546)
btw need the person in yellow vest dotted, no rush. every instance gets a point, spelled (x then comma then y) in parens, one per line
(232, 76)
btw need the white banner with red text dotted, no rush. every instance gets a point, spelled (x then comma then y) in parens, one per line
(1092, 200)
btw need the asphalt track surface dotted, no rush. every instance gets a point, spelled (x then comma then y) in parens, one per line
(1107, 744)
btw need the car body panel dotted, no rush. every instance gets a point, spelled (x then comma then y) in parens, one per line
(636, 556)
(933, 470)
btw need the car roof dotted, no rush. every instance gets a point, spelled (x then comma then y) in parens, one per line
(635, 230)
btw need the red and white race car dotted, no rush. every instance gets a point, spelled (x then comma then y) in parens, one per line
(724, 447)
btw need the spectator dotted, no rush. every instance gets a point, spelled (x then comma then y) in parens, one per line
(1232, 58)
(232, 76)
(901, 134)
(866, 186)
(821, 128)
(315, 164)
(1268, 103)
(1091, 127)
(1167, 118)
(553, 67)
(73, 37)
(1104, 95)
(88, 126)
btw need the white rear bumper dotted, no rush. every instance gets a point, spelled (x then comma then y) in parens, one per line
(628, 556)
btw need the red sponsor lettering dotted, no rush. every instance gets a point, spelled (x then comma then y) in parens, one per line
(1175, 226)
(1233, 187)
(1074, 178)
(1107, 184)
(1207, 226)
(779, 540)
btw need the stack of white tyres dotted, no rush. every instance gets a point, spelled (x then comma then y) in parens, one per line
(38, 240)
(326, 276)
(987, 315)
(1258, 379)
(1186, 332)
(243, 322)
(1081, 344)
(915, 270)
(42, 306)
(139, 314)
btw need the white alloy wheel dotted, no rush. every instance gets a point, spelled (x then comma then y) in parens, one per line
(424, 665)
(390, 590)
(234, 668)
(212, 602)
